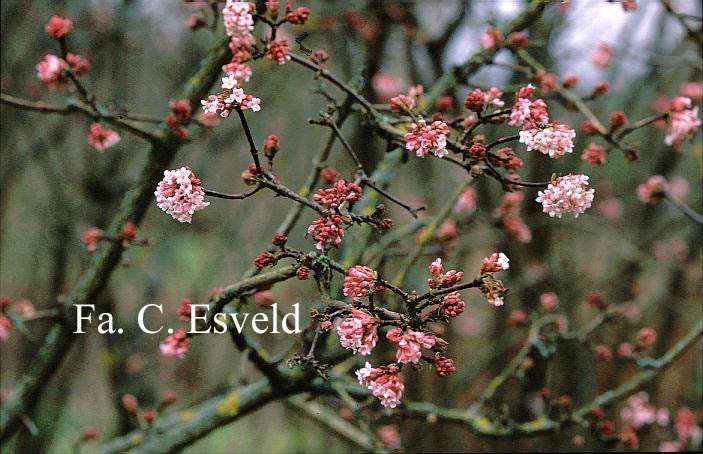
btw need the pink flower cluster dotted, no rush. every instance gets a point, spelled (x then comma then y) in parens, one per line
(58, 27)
(180, 194)
(639, 412)
(653, 190)
(476, 99)
(51, 71)
(410, 344)
(491, 38)
(340, 192)
(92, 238)
(327, 230)
(424, 139)
(101, 137)
(555, 139)
(231, 97)
(358, 332)
(442, 279)
(238, 19)
(594, 155)
(452, 305)
(682, 123)
(567, 194)
(494, 263)
(526, 112)
(359, 281)
(384, 383)
(175, 344)
(278, 51)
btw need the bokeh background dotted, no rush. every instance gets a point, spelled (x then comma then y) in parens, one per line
(55, 185)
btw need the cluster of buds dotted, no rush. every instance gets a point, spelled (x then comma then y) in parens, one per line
(271, 146)
(185, 310)
(359, 332)
(452, 305)
(176, 344)
(180, 115)
(512, 220)
(339, 193)
(653, 191)
(410, 344)
(477, 99)
(53, 70)
(442, 279)
(595, 155)
(384, 383)
(494, 263)
(278, 51)
(327, 231)
(360, 281)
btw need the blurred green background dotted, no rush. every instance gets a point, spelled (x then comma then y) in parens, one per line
(55, 185)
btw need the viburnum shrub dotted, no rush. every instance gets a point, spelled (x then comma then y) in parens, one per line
(378, 320)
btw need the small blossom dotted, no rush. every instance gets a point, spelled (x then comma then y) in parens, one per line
(493, 291)
(149, 416)
(475, 100)
(334, 196)
(589, 128)
(491, 38)
(653, 190)
(402, 104)
(554, 140)
(600, 89)
(326, 231)
(303, 273)
(568, 194)
(477, 151)
(549, 301)
(389, 436)
(130, 403)
(570, 80)
(423, 139)
(410, 344)
(278, 51)
(79, 65)
(299, 16)
(681, 125)
(175, 344)
(647, 336)
(5, 325)
(320, 56)
(58, 27)
(384, 383)
(329, 174)
(466, 201)
(601, 57)
(618, 119)
(516, 40)
(517, 318)
(358, 332)
(547, 81)
(594, 155)
(639, 412)
(185, 310)
(180, 194)
(101, 137)
(494, 263)
(360, 280)
(602, 353)
(51, 71)
(448, 231)
(444, 103)
(265, 259)
(625, 350)
(443, 366)
(452, 305)
(596, 301)
(271, 146)
(279, 239)
(92, 238)
(249, 175)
